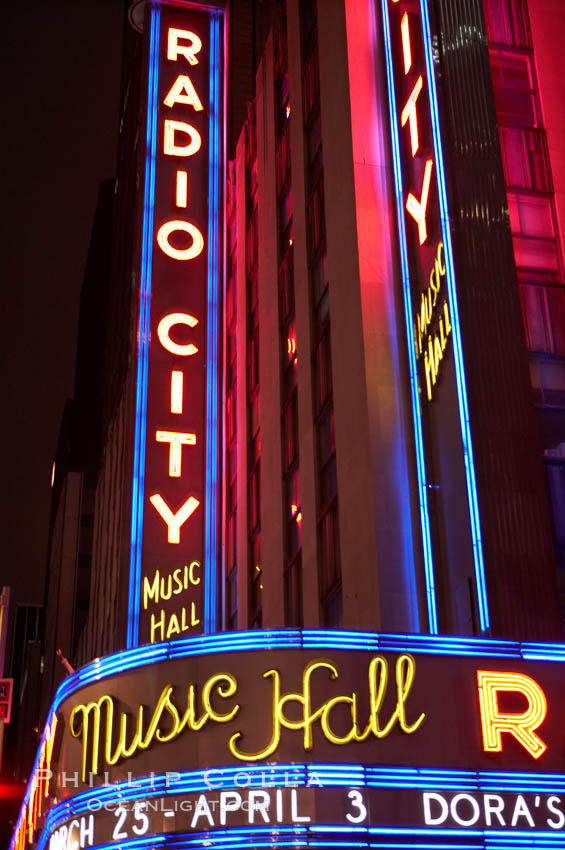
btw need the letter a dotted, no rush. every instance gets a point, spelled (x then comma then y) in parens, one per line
(182, 91)
(417, 209)
(521, 725)
(174, 521)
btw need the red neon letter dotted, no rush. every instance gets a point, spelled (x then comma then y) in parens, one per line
(182, 91)
(171, 148)
(180, 253)
(189, 51)
(176, 440)
(417, 209)
(494, 722)
(409, 113)
(174, 521)
(165, 325)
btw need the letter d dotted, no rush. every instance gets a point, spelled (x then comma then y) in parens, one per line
(428, 819)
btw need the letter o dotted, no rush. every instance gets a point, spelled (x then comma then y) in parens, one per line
(474, 805)
(165, 325)
(246, 780)
(180, 253)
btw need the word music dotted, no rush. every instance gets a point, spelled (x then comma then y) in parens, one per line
(432, 327)
(163, 588)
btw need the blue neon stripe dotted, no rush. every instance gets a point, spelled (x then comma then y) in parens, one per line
(414, 391)
(210, 548)
(138, 488)
(456, 329)
(301, 775)
(305, 835)
(306, 639)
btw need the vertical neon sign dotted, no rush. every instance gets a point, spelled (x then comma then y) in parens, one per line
(449, 513)
(173, 558)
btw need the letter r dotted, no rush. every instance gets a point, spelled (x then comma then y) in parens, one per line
(521, 725)
(189, 51)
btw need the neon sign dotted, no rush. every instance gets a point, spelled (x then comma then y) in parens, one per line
(175, 496)
(86, 719)
(519, 724)
(454, 733)
(451, 535)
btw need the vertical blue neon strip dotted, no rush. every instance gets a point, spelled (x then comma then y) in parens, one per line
(456, 329)
(210, 545)
(138, 488)
(414, 391)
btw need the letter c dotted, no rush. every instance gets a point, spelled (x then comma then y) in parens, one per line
(194, 565)
(164, 327)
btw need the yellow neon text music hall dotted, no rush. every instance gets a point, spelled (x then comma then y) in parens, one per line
(108, 737)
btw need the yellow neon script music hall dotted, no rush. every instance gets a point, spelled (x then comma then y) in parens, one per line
(124, 736)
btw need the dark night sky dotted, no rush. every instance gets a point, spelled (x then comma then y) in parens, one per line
(60, 85)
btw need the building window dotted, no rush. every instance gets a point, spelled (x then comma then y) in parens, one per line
(544, 315)
(555, 475)
(513, 88)
(310, 81)
(256, 584)
(292, 514)
(329, 568)
(507, 23)
(525, 159)
(282, 157)
(254, 580)
(286, 286)
(533, 221)
(293, 593)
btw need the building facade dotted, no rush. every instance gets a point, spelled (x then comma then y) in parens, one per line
(326, 515)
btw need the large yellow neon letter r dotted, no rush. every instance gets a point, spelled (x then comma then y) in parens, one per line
(521, 725)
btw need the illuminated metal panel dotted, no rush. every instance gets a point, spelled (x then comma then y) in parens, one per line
(414, 391)
(432, 475)
(174, 544)
(458, 349)
(138, 490)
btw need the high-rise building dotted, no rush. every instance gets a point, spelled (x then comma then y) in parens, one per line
(326, 524)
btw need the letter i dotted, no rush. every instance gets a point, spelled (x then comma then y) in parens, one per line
(176, 391)
(405, 30)
(182, 188)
